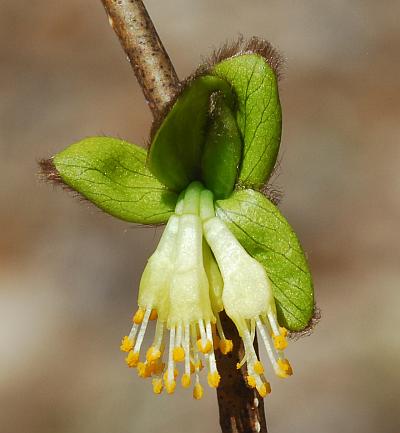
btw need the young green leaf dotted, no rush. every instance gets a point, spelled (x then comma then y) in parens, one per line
(267, 236)
(112, 174)
(175, 153)
(222, 151)
(258, 114)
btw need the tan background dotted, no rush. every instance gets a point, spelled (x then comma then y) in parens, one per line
(68, 274)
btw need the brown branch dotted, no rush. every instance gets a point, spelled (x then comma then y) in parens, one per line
(145, 51)
(241, 408)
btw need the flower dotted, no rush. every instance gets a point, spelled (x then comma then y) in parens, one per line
(199, 269)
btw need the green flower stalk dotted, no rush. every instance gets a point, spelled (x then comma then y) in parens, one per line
(225, 246)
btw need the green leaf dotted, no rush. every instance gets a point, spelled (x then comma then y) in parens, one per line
(112, 174)
(222, 151)
(175, 153)
(258, 114)
(267, 236)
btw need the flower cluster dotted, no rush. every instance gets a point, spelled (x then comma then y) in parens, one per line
(199, 269)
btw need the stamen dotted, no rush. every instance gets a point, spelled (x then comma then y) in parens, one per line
(213, 376)
(126, 344)
(204, 344)
(225, 346)
(142, 330)
(273, 322)
(157, 385)
(133, 332)
(258, 367)
(170, 368)
(138, 317)
(186, 346)
(153, 315)
(251, 381)
(280, 342)
(179, 353)
(132, 359)
(198, 389)
(267, 344)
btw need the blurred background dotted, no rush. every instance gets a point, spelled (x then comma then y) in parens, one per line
(69, 274)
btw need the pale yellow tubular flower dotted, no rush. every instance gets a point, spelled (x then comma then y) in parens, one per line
(190, 311)
(153, 303)
(248, 301)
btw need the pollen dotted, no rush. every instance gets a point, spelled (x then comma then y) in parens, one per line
(258, 367)
(152, 354)
(157, 385)
(225, 346)
(285, 368)
(213, 379)
(251, 381)
(206, 348)
(144, 369)
(170, 386)
(138, 317)
(185, 380)
(153, 314)
(126, 344)
(132, 359)
(179, 354)
(280, 342)
(198, 391)
(264, 389)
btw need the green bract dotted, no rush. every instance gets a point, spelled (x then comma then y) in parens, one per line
(113, 175)
(222, 151)
(176, 150)
(258, 114)
(267, 236)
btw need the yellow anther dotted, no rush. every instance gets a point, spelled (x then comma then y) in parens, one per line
(238, 366)
(213, 379)
(170, 386)
(153, 314)
(285, 368)
(132, 359)
(197, 391)
(283, 331)
(206, 348)
(258, 367)
(157, 367)
(176, 373)
(152, 354)
(138, 317)
(185, 380)
(143, 369)
(216, 341)
(225, 346)
(157, 385)
(280, 342)
(178, 354)
(251, 381)
(126, 344)
(264, 389)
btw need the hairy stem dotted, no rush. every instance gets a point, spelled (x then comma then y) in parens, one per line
(145, 51)
(241, 409)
